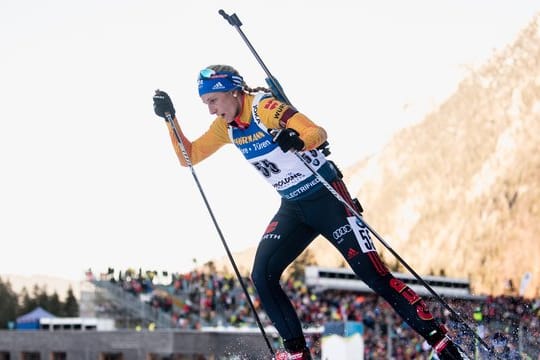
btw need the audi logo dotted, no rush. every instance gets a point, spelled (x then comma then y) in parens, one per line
(341, 231)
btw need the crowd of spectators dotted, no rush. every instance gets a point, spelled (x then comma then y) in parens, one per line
(201, 299)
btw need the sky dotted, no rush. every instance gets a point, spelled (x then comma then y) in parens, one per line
(88, 175)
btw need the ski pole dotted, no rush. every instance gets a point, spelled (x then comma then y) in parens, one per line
(229, 254)
(396, 255)
(272, 82)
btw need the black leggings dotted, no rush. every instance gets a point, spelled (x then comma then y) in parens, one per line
(294, 227)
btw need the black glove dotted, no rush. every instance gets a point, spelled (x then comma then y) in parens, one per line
(287, 139)
(163, 104)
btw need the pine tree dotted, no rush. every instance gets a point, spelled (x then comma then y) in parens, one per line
(41, 297)
(54, 305)
(71, 306)
(27, 303)
(8, 304)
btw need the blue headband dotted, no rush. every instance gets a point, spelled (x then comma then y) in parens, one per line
(223, 81)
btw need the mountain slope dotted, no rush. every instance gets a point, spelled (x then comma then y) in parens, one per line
(460, 191)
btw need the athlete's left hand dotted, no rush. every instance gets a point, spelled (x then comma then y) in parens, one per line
(287, 139)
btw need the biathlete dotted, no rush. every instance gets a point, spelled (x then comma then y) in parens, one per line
(268, 133)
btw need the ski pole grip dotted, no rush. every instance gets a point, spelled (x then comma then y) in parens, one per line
(232, 19)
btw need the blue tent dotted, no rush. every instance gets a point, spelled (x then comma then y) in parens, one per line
(30, 321)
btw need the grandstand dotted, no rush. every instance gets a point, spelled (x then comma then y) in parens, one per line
(326, 278)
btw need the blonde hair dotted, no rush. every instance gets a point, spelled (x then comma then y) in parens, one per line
(245, 87)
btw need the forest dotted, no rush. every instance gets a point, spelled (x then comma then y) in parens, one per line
(13, 305)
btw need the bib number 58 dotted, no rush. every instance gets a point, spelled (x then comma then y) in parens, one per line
(266, 167)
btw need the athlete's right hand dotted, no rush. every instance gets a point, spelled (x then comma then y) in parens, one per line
(163, 104)
(287, 139)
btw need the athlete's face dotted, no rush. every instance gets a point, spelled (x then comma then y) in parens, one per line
(224, 104)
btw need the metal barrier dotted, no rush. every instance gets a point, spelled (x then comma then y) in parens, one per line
(134, 305)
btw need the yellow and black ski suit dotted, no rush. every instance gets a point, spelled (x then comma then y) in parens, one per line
(307, 210)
